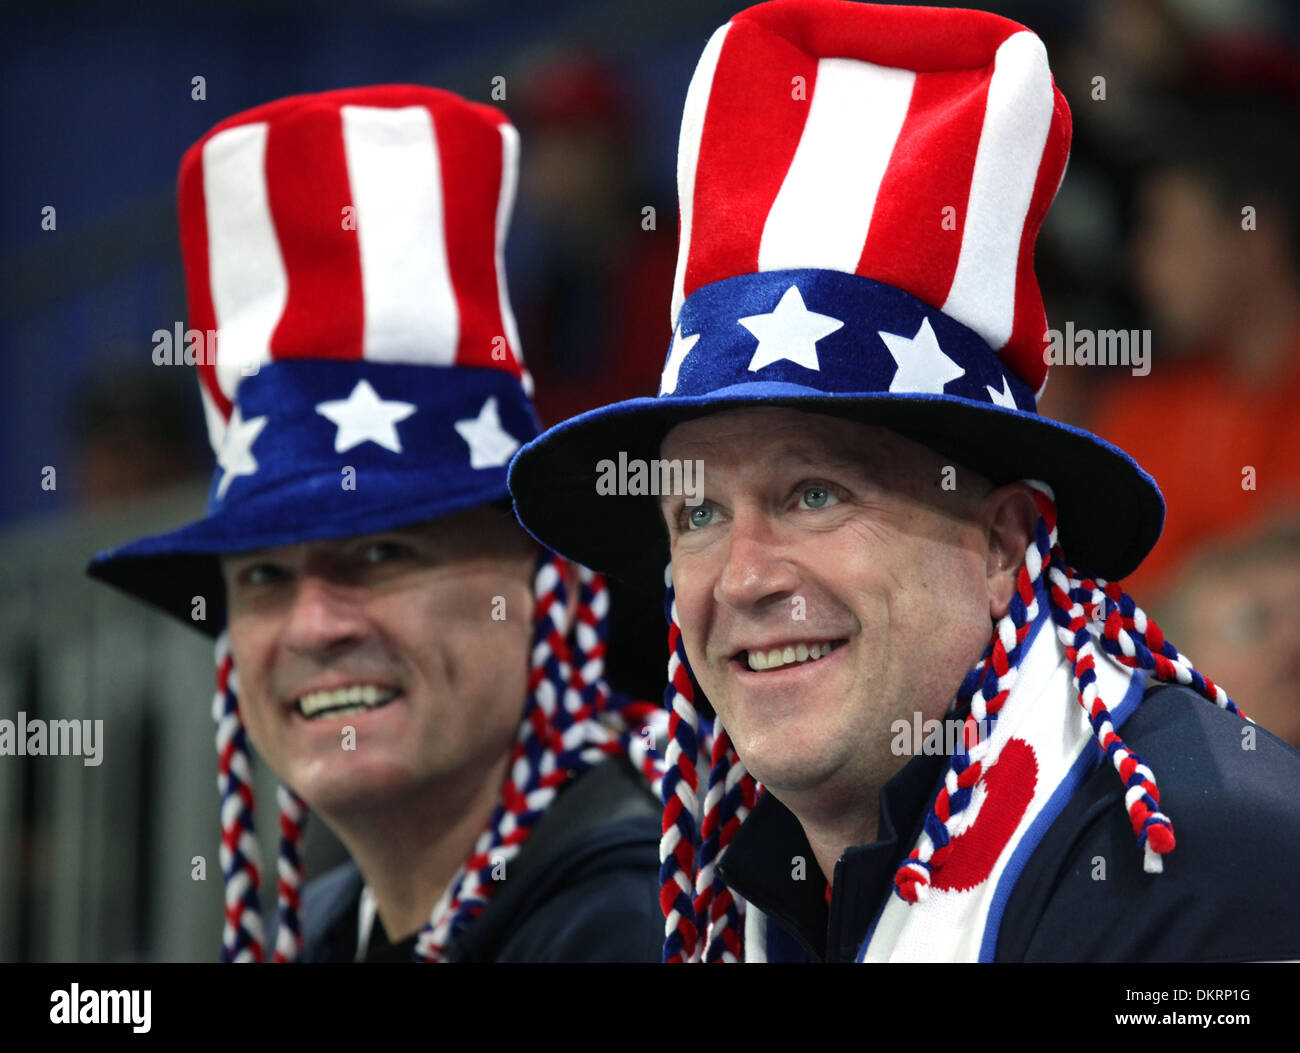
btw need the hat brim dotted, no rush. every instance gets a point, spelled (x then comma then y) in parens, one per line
(303, 488)
(173, 570)
(1110, 511)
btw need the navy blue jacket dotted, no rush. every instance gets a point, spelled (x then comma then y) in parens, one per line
(584, 888)
(1227, 893)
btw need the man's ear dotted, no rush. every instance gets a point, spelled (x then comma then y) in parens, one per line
(1010, 516)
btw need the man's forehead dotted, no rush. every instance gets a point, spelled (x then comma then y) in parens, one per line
(443, 526)
(467, 530)
(325, 544)
(785, 435)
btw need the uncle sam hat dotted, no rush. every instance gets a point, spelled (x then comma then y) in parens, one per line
(345, 248)
(860, 187)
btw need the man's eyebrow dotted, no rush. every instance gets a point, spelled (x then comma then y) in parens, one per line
(252, 553)
(804, 456)
(813, 457)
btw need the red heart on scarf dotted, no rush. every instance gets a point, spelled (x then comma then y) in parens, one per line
(1009, 787)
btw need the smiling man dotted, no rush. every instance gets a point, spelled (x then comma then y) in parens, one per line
(371, 633)
(881, 544)
(842, 524)
(401, 654)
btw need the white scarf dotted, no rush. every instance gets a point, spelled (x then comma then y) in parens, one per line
(1043, 747)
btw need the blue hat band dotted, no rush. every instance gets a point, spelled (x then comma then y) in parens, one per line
(827, 332)
(320, 450)
(361, 432)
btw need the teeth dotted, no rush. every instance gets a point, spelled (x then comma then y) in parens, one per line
(781, 656)
(340, 701)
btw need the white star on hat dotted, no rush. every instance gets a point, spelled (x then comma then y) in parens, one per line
(490, 445)
(677, 354)
(790, 331)
(923, 368)
(236, 456)
(1003, 397)
(364, 417)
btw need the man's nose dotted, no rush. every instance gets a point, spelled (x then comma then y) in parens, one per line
(323, 617)
(756, 572)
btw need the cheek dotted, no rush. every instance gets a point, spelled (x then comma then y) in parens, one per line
(474, 633)
(854, 570)
(949, 609)
(920, 587)
(693, 598)
(250, 649)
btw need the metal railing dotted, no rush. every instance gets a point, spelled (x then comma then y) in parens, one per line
(101, 862)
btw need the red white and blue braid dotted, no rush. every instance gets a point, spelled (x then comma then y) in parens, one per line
(569, 725)
(732, 793)
(571, 721)
(1086, 611)
(703, 919)
(293, 819)
(242, 936)
(636, 724)
(680, 792)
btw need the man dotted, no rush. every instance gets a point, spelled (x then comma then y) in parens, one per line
(1237, 607)
(398, 651)
(1226, 304)
(869, 586)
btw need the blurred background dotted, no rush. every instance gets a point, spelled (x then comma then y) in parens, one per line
(1178, 215)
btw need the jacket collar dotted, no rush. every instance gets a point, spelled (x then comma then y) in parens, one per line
(611, 791)
(761, 863)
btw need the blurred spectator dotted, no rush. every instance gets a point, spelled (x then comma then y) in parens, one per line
(1236, 611)
(1133, 70)
(1212, 420)
(1120, 64)
(593, 300)
(134, 435)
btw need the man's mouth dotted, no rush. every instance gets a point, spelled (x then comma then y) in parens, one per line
(344, 701)
(765, 659)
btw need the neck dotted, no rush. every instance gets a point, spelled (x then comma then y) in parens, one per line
(835, 821)
(831, 832)
(409, 850)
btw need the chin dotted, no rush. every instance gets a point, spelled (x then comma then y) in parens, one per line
(343, 787)
(785, 763)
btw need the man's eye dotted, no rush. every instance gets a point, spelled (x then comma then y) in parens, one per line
(262, 574)
(700, 516)
(816, 497)
(382, 552)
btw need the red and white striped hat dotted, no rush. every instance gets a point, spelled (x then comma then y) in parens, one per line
(919, 147)
(861, 186)
(343, 257)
